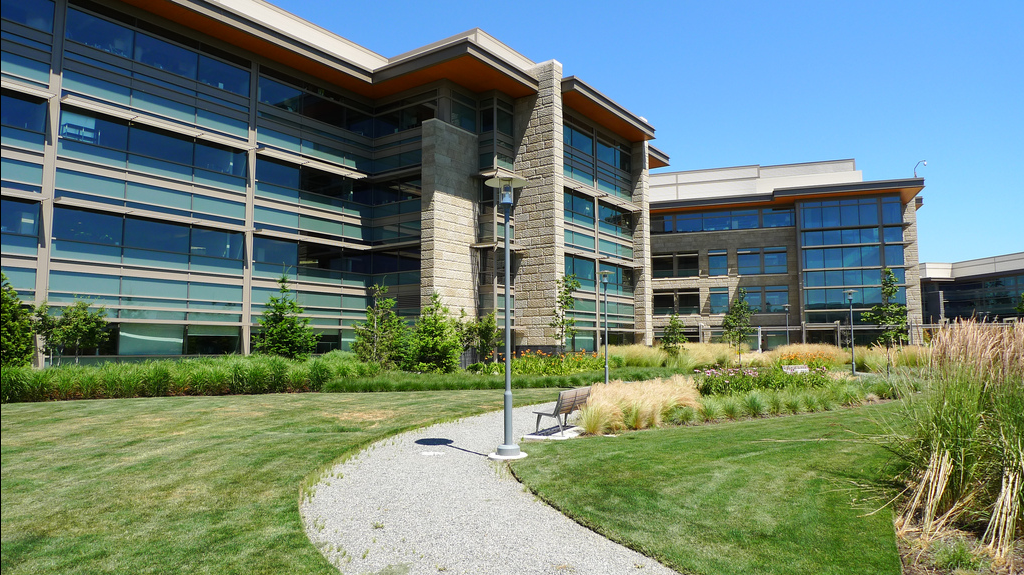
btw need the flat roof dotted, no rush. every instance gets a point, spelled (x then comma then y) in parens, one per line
(994, 265)
(908, 189)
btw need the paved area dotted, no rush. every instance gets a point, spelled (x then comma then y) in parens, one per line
(429, 501)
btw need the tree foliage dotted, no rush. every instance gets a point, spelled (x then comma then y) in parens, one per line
(488, 336)
(673, 338)
(736, 323)
(1019, 308)
(76, 328)
(437, 344)
(283, 329)
(564, 326)
(889, 315)
(382, 337)
(16, 345)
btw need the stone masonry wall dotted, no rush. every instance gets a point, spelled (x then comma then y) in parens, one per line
(538, 215)
(915, 311)
(642, 292)
(449, 216)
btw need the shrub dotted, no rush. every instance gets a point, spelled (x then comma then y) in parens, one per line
(731, 408)
(754, 404)
(709, 409)
(956, 555)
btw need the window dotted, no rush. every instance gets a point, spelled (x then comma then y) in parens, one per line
(579, 208)
(717, 263)
(718, 300)
(616, 221)
(584, 270)
(23, 119)
(36, 14)
(722, 220)
(662, 267)
(664, 304)
(748, 261)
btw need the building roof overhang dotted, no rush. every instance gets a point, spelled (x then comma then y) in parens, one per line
(656, 158)
(908, 190)
(472, 59)
(601, 109)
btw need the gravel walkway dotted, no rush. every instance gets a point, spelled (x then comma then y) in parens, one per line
(429, 501)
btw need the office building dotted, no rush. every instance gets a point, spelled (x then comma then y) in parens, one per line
(170, 159)
(795, 237)
(987, 289)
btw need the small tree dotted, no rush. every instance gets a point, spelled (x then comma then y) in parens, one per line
(1019, 308)
(673, 338)
(736, 324)
(380, 339)
(436, 342)
(488, 336)
(889, 315)
(565, 326)
(76, 328)
(283, 330)
(16, 340)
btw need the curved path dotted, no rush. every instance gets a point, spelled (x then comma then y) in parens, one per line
(429, 501)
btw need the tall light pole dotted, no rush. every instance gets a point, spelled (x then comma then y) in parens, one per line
(505, 185)
(604, 282)
(853, 358)
(920, 163)
(785, 306)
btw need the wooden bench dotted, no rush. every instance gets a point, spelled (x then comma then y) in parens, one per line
(568, 401)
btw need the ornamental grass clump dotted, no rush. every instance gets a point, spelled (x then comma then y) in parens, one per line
(964, 446)
(635, 405)
(810, 354)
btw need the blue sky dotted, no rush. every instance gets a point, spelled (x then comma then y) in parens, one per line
(736, 83)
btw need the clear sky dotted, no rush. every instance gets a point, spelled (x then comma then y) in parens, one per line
(737, 83)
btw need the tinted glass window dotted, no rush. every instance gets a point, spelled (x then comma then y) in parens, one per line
(36, 14)
(893, 235)
(324, 110)
(23, 112)
(93, 130)
(749, 263)
(464, 117)
(216, 244)
(717, 265)
(225, 76)
(165, 56)
(99, 33)
(86, 226)
(158, 144)
(275, 251)
(220, 159)
(504, 122)
(279, 95)
(19, 217)
(774, 262)
(151, 235)
(891, 212)
(277, 173)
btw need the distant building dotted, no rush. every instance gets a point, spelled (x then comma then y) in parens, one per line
(986, 288)
(795, 237)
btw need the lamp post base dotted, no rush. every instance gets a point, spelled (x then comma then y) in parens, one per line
(507, 452)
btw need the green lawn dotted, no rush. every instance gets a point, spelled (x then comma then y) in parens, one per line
(188, 484)
(769, 496)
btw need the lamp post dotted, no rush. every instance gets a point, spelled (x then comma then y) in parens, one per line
(505, 185)
(604, 281)
(853, 358)
(785, 306)
(920, 163)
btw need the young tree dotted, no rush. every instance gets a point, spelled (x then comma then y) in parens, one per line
(1019, 308)
(436, 342)
(889, 315)
(673, 338)
(283, 330)
(76, 328)
(736, 324)
(16, 346)
(488, 336)
(381, 337)
(565, 326)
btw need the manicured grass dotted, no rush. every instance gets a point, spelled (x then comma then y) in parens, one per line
(779, 496)
(188, 484)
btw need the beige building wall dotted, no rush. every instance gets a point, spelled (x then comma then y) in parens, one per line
(449, 216)
(538, 216)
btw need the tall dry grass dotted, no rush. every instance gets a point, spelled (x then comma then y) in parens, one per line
(965, 445)
(812, 354)
(635, 405)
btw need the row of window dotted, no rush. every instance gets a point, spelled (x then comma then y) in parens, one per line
(853, 257)
(851, 212)
(720, 220)
(891, 235)
(591, 160)
(768, 299)
(620, 279)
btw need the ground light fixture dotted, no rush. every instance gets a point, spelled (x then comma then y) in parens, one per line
(853, 358)
(505, 186)
(604, 282)
(785, 306)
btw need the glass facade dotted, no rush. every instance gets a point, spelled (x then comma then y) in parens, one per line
(845, 246)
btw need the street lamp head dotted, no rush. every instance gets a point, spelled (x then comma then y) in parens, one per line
(604, 276)
(505, 185)
(505, 196)
(849, 294)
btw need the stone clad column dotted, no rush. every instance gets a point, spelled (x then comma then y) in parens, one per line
(538, 215)
(449, 214)
(643, 292)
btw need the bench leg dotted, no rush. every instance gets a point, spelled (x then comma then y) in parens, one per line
(537, 429)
